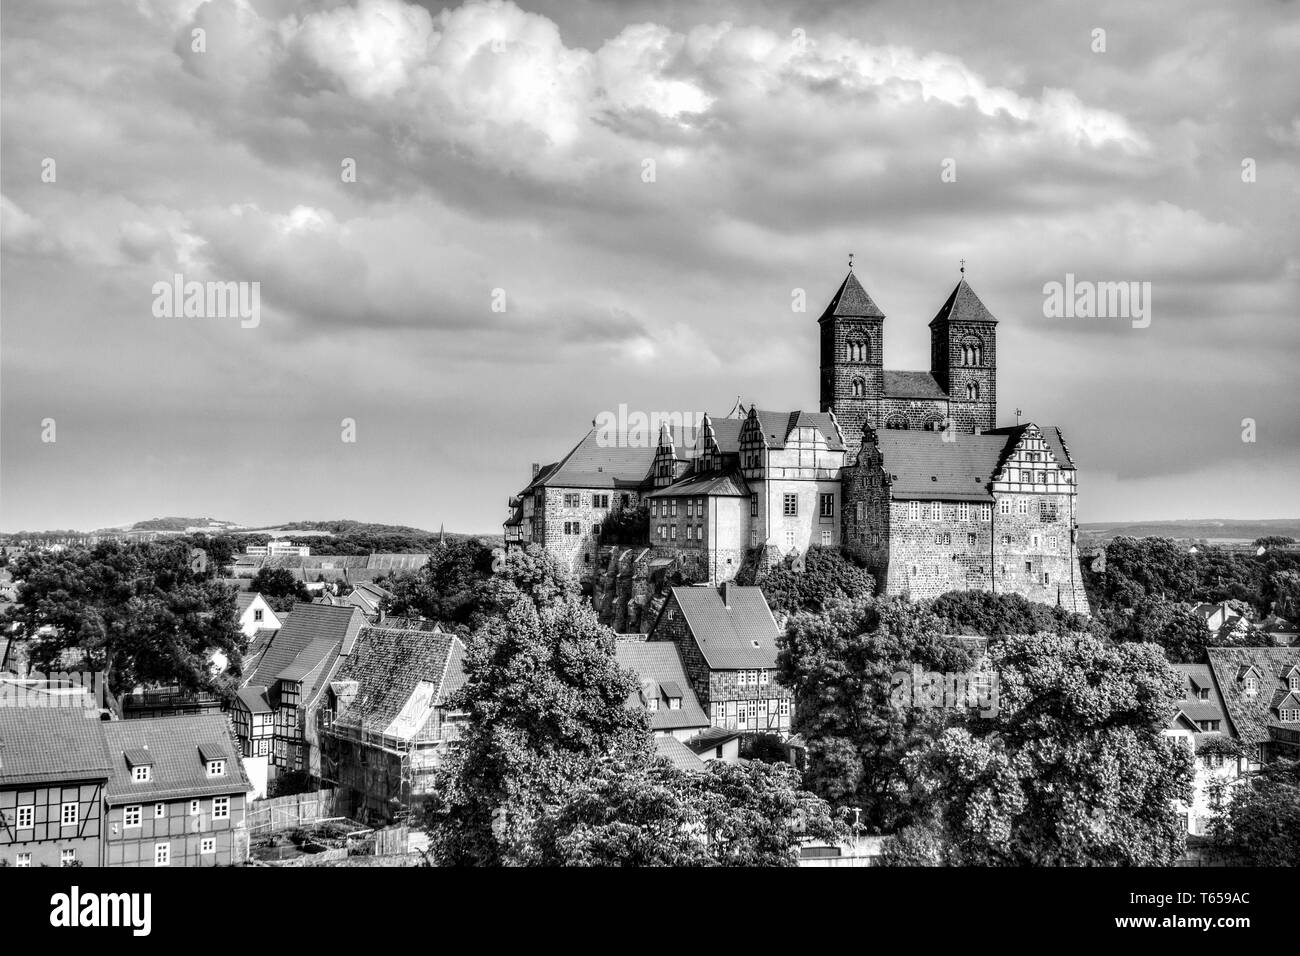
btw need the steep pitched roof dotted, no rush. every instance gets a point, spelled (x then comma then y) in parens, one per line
(1251, 716)
(922, 466)
(39, 744)
(736, 635)
(777, 427)
(851, 300)
(963, 305)
(659, 667)
(322, 625)
(912, 385)
(401, 676)
(178, 746)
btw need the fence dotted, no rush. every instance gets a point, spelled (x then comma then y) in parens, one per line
(295, 810)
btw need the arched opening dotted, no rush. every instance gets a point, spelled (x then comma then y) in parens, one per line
(972, 350)
(973, 391)
(896, 421)
(857, 349)
(859, 388)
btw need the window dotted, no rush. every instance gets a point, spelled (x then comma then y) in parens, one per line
(970, 539)
(131, 817)
(1252, 685)
(1029, 567)
(1022, 506)
(672, 532)
(1204, 693)
(717, 754)
(221, 808)
(595, 530)
(656, 507)
(826, 539)
(742, 711)
(875, 538)
(753, 505)
(973, 391)
(1047, 510)
(600, 501)
(216, 768)
(789, 540)
(944, 537)
(753, 537)
(140, 774)
(257, 614)
(914, 511)
(762, 678)
(690, 532)
(71, 813)
(859, 510)
(789, 505)
(674, 703)
(1289, 715)
(857, 348)
(25, 859)
(572, 501)
(1033, 541)
(67, 857)
(1046, 578)
(194, 804)
(963, 511)
(783, 707)
(159, 811)
(208, 845)
(828, 506)
(859, 388)
(652, 704)
(1004, 506)
(662, 532)
(162, 854)
(1293, 682)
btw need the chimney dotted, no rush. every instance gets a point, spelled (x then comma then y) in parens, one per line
(726, 595)
(536, 468)
(979, 430)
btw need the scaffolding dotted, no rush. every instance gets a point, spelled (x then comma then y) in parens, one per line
(384, 771)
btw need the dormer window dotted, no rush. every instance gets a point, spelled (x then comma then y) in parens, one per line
(140, 761)
(674, 703)
(1252, 685)
(216, 768)
(1293, 682)
(652, 704)
(140, 774)
(214, 758)
(1290, 715)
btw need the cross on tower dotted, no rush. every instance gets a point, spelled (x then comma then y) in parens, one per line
(850, 262)
(963, 267)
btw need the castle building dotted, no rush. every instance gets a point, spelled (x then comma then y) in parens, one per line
(906, 470)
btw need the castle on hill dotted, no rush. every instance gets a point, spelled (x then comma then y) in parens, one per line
(906, 470)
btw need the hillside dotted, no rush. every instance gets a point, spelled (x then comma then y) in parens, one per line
(1210, 529)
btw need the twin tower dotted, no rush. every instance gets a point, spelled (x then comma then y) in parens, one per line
(960, 388)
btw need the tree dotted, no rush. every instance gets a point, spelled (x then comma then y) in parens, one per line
(995, 615)
(1072, 770)
(1274, 541)
(1174, 627)
(827, 576)
(546, 701)
(628, 526)
(281, 588)
(840, 665)
(136, 611)
(1259, 824)
(447, 587)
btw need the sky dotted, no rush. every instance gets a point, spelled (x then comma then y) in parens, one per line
(475, 227)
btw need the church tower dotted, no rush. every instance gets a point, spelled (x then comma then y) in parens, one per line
(852, 358)
(964, 359)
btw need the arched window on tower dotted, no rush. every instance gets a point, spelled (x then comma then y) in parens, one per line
(973, 391)
(972, 351)
(896, 421)
(859, 388)
(857, 349)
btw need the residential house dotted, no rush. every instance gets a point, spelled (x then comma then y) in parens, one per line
(727, 640)
(1222, 620)
(1202, 725)
(716, 743)
(370, 597)
(176, 793)
(1260, 687)
(53, 771)
(385, 724)
(293, 670)
(679, 755)
(1279, 631)
(255, 613)
(665, 692)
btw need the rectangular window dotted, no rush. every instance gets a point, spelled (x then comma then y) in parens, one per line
(652, 704)
(690, 532)
(208, 845)
(70, 814)
(963, 511)
(131, 817)
(140, 774)
(914, 511)
(1022, 506)
(221, 808)
(789, 505)
(67, 857)
(859, 509)
(216, 768)
(986, 512)
(789, 540)
(194, 804)
(1033, 541)
(595, 530)
(257, 614)
(1004, 506)
(753, 505)
(23, 860)
(826, 539)
(655, 508)
(828, 506)
(1047, 510)
(875, 538)
(1029, 567)
(162, 854)
(672, 532)
(970, 539)
(783, 707)
(1046, 578)
(753, 537)
(672, 505)
(26, 818)
(1042, 477)
(159, 811)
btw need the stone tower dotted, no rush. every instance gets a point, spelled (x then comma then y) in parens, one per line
(964, 359)
(852, 357)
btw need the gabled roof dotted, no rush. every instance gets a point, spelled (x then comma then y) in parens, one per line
(308, 624)
(963, 305)
(851, 300)
(1251, 716)
(777, 427)
(39, 744)
(710, 738)
(727, 484)
(658, 666)
(401, 677)
(737, 635)
(181, 747)
(244, 598)
(254, 699)
(913, 385)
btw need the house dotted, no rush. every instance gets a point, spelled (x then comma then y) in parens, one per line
(1202, 725)
(53, 771)
(254, 613)
(678, 754)
(176, 793)
(716, 743)
(1260, 687)
(665, 692)
(1279, 631)
(1219, 618)
(385, 724)
(370, 597)
(293, 669)
(727, 640)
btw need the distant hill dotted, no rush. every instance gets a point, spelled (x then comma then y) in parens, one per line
(178, 524)
(1213, 530)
